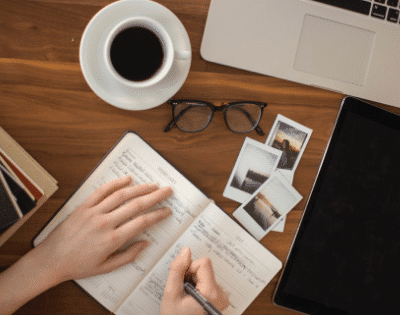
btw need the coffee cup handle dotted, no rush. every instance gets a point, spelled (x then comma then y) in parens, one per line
(183, 54)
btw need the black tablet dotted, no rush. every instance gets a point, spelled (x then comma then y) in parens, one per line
(345, 258)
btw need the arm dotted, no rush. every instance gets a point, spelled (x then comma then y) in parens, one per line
(87, 242)
(176, 301)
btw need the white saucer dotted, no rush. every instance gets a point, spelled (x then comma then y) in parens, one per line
(91, 54)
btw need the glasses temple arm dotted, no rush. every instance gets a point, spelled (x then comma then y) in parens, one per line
(260, 131)
(250, 118)
(169, 126)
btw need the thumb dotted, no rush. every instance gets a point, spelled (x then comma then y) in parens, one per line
(175, 283)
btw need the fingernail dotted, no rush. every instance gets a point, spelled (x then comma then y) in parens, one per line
(128, 178)
(167, 211)
(184, 251)
(168, 188)
(153, 186)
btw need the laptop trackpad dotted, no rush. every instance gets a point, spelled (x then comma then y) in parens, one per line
(334, 50)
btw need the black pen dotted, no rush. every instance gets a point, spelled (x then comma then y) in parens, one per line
(208, 307)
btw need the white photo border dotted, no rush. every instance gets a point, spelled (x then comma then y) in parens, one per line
(247, 220)
(238, 194)
(282, 221)
(272, 135)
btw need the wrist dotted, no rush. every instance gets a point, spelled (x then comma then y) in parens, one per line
(27, 278)
(39, 266)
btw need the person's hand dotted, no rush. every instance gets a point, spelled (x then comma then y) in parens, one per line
(176, 301)
(87, 242)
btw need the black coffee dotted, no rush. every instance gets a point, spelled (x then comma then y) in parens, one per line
(136, 53)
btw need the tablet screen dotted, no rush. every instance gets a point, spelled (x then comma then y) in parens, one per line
(346, 255)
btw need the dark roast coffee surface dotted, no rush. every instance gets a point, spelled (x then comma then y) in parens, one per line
(136, 53)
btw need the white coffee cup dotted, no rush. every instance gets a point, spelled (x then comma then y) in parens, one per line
(169, 53)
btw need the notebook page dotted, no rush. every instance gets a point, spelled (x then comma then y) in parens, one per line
(134, 157)
(242, 266)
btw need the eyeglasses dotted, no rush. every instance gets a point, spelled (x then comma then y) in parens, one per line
(195, 116)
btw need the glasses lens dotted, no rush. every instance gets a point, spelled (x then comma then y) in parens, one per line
(243, 117)
(192, 117)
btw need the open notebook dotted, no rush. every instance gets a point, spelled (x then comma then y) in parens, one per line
(243, 267)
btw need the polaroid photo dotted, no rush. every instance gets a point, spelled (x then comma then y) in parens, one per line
(291, 139)
(280, 227)
(254, 165)
(264, 209)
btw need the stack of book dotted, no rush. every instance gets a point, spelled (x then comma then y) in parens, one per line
(24, 186)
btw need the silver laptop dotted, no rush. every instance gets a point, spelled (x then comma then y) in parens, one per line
(348, 46)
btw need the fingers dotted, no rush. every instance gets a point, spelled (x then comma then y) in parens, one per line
(123, 195)
(138, 198)
(174, 287)
(203, 271)
(133, 227)
(122, 258)
(176, 301)
(102, 192)
(207, 285)
(139, 205)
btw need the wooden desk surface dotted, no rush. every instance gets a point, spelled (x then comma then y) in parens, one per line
(46, 105)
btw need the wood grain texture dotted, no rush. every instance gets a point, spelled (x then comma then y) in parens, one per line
(46, 105)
